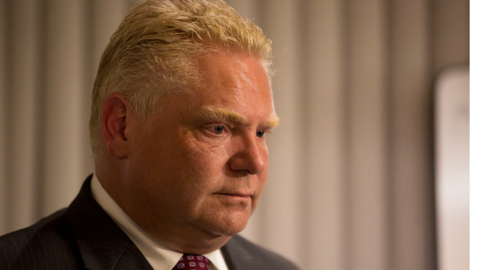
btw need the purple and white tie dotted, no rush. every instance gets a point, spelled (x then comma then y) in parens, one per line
(192, 262)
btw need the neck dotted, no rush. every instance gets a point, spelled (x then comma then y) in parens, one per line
(187, 239)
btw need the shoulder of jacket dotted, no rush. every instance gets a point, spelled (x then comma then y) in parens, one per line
(49, 242)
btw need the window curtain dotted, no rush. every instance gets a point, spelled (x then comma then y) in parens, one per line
(351, 181)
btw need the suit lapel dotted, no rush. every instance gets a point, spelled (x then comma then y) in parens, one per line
(236, 256)
(102, 244)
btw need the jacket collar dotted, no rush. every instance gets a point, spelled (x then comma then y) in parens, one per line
(237, 256)
(102, 244)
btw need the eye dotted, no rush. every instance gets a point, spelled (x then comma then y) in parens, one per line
(260, 133)
(218, 129)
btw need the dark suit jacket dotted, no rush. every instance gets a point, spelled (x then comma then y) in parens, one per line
(83, 236)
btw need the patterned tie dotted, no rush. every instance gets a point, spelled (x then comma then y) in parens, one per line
(192, 262)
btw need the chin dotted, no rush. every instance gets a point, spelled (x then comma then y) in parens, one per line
(229, 226)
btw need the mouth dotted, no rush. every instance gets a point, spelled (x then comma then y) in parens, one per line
(235, 195)
(236, 198)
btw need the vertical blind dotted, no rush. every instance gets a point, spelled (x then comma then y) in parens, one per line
(350, 183)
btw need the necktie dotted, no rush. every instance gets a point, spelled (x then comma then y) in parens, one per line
(192, 262)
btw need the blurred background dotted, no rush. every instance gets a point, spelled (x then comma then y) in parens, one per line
(353, 182)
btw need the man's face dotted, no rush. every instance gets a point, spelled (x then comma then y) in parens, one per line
(200, 163)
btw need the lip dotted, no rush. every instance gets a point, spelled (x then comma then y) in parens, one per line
(235, 194)
(243, 199)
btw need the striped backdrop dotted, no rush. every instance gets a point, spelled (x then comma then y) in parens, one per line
(351, 165)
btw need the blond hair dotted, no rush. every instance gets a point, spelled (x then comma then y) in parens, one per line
(155, 49)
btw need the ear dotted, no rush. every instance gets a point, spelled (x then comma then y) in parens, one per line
(114, 123)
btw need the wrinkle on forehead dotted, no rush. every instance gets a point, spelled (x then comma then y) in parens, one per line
(238, 71)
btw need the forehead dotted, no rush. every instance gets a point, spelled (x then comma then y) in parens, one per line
(233, 75)
(236, 82)
(227, 67)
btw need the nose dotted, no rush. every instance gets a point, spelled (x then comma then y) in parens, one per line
(251, 156)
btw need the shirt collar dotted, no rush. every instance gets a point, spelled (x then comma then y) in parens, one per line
(157, 254)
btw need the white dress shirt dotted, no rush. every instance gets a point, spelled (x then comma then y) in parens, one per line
(159, 256)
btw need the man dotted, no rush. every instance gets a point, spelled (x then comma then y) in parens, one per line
(181, 106)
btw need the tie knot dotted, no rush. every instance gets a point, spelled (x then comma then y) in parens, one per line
(192, 262)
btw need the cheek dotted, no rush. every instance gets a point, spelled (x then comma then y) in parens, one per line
(205, 158)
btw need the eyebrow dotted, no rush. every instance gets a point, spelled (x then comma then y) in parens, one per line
(215, 113)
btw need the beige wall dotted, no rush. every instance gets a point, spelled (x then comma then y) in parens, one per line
(351, 169)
